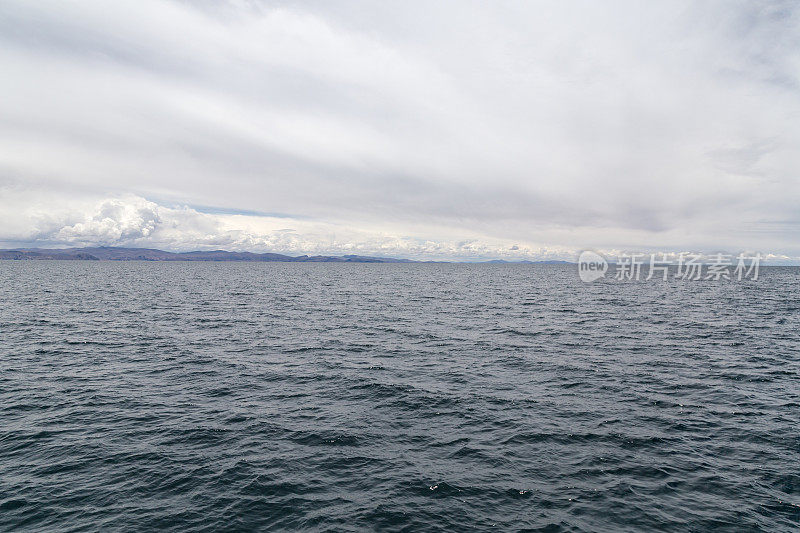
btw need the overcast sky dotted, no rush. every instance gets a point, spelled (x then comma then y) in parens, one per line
(444, 130)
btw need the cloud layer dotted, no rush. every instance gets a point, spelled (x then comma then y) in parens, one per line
(447, 130)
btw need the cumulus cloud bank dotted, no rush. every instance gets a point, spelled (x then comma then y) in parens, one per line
(437, 130)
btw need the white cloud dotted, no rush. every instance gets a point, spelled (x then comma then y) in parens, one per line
(135, 221)
(453, 129)
(114, 221)
(131, 221)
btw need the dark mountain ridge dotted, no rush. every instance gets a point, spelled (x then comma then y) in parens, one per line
(111, 253)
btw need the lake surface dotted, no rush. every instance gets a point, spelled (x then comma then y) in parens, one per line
(441, 397)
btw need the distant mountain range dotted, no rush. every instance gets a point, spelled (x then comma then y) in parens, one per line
(525, 261)
(111, 253)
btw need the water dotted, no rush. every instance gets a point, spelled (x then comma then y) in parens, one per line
(208, 396)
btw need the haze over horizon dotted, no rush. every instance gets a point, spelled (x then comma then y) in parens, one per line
(447, 130)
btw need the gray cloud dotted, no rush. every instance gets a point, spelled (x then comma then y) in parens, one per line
(551, 126)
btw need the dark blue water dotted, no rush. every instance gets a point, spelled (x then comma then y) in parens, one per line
(222, 396)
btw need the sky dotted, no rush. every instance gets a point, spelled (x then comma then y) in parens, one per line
(426, 130)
